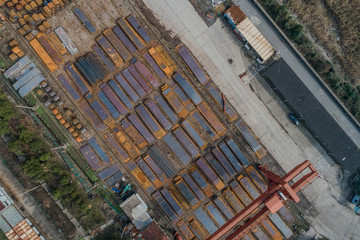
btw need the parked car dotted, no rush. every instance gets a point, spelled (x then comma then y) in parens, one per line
(294, 119)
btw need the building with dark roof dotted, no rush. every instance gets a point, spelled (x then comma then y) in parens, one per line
(313, 115)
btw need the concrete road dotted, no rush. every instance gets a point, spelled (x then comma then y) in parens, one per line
(213, 46)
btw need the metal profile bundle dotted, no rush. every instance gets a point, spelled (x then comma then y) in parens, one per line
(99, 150)
(259, 233)
(172, 201)
(78, 80)
(81, 15)
(24, 70)
(197, 229)
(140, 177)
(188, 144)
(70, 46)
(248, 186)
(114, 178)
(154, 66)
(57, 43)
(85, 107)
(215, 214)
(117, 147)
(90, 157)
(223, 161)
(206, 127)
(233, 200)
(165, 207)
(149, 173)
(50, 48)
(109, 171)
(230, 156)
(227, 211)
(186, 192)
(121, 94)
(174, 101)
(125, 40)
(194, 134)
(192, 63)
(69, 88)
(279, 223)
(128, 89)
(211, 118)
(109, 106)
(98, 108)
(185, 230)
(17, 67)
(219, 169)
(133, 133)
(117, 44)
(114, 99)
(162, 161)
(141, 128)
(212, 176)
(44, 56)
(149, 121)
(108, 63)
(110, 51)
(240, 193)
(205, 220)
(130, 32)
(181, 95)
(250, 138)
(128, 145)
(154, 167)
(165, 107)
(177, 149)
(91, 67)
(176, 193)
(160, 62)
(201, 182)
(257, 179)
(138, 28)
(166, 57)
(30, 85)
(134, 84)
(199, 194)
(26, 78)
(188, 88)
(221, 101)
(144, 84)
(271, 229)
(144, 71)
(151, 105)
(238, 153)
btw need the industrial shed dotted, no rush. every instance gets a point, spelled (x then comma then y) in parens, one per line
(239, 21)
(314, 116)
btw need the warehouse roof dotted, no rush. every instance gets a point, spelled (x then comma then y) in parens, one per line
(318, 121)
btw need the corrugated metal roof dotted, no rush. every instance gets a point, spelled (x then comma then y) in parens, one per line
(235, 14)
(255, 39)
(11, 215)
(4, 226)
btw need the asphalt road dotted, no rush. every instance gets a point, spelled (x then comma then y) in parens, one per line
(213, 47)
(306, 76)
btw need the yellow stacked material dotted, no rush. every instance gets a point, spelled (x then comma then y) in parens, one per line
(29, 36)
(161, 62)
(41, 28)
(27, 28)
(66, 125)
(55, 111)
(40, 92)
(68, 112)
(75, 134)
(27, 1)
(39, 2)
(9, 4)
(50, 48)
(46, 24)
(31, 21)
(166, 58)
(22, 31)
(2, 2)
(47, 12)
(13, 57)
(22, 21)
(15, 2)
(13, 16)
(26, 17)
(51, 6)
(36, 18)
(78, 139)
(20, 54)
(13, 43)
(52, 106)
(33, 5)
(18, 7)
(71, 129)
(22, 3)
(41, 16)
(79, 126)
(28, 8)
(43, 55)
(62, 121)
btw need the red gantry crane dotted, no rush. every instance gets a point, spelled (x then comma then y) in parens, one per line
(279, 190)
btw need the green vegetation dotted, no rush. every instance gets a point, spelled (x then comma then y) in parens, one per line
(40, 165)
(348, 94)
(2, 236)
(112, 232)
(30, 99)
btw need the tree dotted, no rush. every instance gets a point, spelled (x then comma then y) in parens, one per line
(16, 146)
(267, 3)
(64, 180)
(296, 31)
(26, 134)
(36, 145)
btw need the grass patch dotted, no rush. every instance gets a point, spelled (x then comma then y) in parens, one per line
(2, 235)
(31, 100)
(75, 155)
(51, 124)
(91, 175)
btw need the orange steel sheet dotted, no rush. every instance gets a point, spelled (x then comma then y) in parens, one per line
(197, 229)
(50, 48)
(211, 118)
(180, 199)
(117, 44)
(257, 179)
(57, 43)
(233, 200)
(271, 229)
(164, 55)
(140, 177)
(161, 62)
(248, 186)
(128, 145)
(44, 56)
(110, 51)
(133, 133)
(174, 101)
(185, 230)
